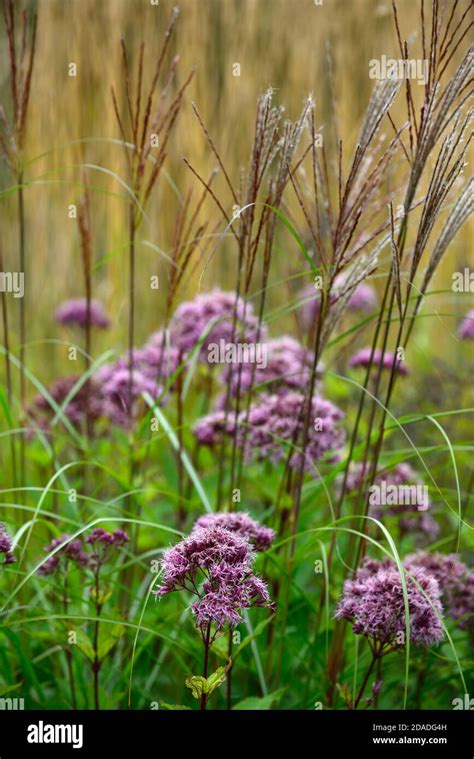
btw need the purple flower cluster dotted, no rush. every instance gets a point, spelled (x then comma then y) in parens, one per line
(456, 582)
(6, 545)
(241, 523)
(288, 366)
(115, 391)
(216, 565)
(106, 394)
(362, 359)
(70, 551)
(153, 365)
(466, 328)
(423, 526)
(210, 429)
(363, 298)
(86, 403)
(75, 312)
(227, 317)
(373, 601)
(101, 543)
(159, 358)
(275, 420)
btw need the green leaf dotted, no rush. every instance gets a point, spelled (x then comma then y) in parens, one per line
(105, 646)
(174, 707)
(260, 704)
(199, 684)
(258, 629)
(103, 596)
(216, 679)
(9, 688)
(84, 644)
(220, 647)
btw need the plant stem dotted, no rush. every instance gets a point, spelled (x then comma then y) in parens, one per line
(96, 662)
(375, 656)
(6, 342)
(21, 229)
(229, 673)
(206, 663)
(68, 653)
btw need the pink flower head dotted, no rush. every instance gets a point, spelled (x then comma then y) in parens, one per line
(215, 565)
(6, 545)
(242, 524)
(68, 551)
(373, 601)
(456, 582)
(275, 420)
(75, 312)
(363, 298)
(85, 403)
(227, 317)
(466, 328)
(288, 366)
(362, 359)
(103, 544)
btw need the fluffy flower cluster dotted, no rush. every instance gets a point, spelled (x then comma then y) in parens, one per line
(69, 551)
(73, 551)
(75, 312)
(362, 359)
(159, 358)
(242, 524)
(6, 546)
(288, 366)
(87, 402)
(466, 328)
(104, 396)
(211, 428)
(456, 582)
(373, 601)
(226, 316)
(363, 298)
(275, 420)
(115, 390)
(153, 365)
(103, 544)
(216, 565)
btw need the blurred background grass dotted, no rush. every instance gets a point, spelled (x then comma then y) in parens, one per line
(282, 43)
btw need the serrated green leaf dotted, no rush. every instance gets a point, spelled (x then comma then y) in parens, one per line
(216, 679)
(197, 684)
